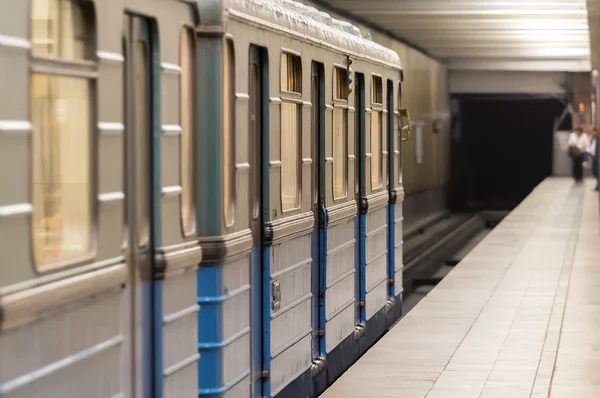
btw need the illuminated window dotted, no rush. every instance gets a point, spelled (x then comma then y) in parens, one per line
(228, 133)
(340, 133)
(291, 75)
(186, 109)
(376, 132)
(61, 104)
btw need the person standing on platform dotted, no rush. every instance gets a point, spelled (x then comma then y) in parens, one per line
(578, 146)
(593, 155)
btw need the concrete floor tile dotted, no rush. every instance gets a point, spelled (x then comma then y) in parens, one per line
(524, 299)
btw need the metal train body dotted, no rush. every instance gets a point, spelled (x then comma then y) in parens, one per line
(152, 243)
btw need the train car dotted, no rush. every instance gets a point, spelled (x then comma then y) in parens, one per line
(97, 201)
(197, 198)
(301, 215)
(426, 157)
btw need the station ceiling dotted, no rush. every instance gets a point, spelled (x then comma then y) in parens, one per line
(550, 35)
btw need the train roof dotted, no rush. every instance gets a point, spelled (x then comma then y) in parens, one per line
(318, 25)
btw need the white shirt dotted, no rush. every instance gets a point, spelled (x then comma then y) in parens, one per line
(582, 142)
(592, 149)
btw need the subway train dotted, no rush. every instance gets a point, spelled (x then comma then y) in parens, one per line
(199, 198)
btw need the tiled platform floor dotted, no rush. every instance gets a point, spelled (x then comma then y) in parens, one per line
(518, 317)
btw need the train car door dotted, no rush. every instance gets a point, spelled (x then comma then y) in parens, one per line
(361, 200)
(259, 186)
(142, 219)
(373, 207)
(319, 210)
(392, 149)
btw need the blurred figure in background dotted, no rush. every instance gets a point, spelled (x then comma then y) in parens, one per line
(593, 154)
(578, 147)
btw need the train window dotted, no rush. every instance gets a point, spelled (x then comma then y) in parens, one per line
(376, 131)
(359, 112)
(290, 137)
(58, 30)
(291, 73)
(340, 133)
(255, 131)
(398, 140)
(341, 87)
(390, 132)
(186, 109)
(377, 94)
(140, 111)
(228, 133)
(291, 111)
(62, 81)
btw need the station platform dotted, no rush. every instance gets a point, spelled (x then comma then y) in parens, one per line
(518, 317)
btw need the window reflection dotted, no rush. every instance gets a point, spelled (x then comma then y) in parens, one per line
(188, 213)
(291, 75)
(61, 119)
(58, 30)
(61, 168)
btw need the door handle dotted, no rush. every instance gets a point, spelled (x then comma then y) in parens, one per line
(323, 218)
(268, 234)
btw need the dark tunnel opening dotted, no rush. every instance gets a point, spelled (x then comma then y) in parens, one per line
(501, 148)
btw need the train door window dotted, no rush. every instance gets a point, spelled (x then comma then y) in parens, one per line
(186, 109)
(340, 132)
(141, 123)
(291, 77)
(62, 99)
(391, 141)
(314, 83)
(357, 136)
(376, 131)
(398, 140)
(255, 130)
(228, 133)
